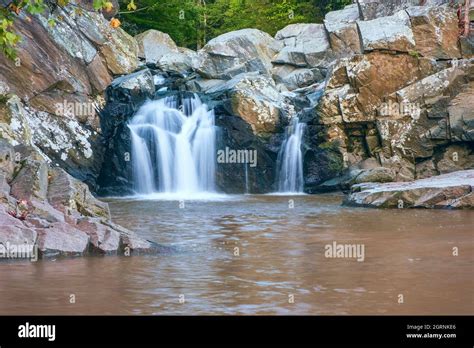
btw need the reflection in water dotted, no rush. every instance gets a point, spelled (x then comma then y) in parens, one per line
(247, 255)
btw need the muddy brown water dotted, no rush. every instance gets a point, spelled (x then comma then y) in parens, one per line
(257, 255)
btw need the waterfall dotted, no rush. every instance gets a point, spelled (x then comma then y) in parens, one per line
(173, 147)
(290, 159)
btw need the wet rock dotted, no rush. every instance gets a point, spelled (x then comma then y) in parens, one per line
(391, 33)
(7, 159)
(305, 45)
(255, 99)
(61, 239)
(153, 45)
(236, 52)
(136, 86)
(452, 190)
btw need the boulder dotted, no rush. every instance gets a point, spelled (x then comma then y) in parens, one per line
(153, 45)
(61, 239)
(392, 33)
(31, 181)
(452, 190)
(14, 231)
(237, 52)
(182, 61)
(436, 31)
(67, 194)
(343, 32)
(139, 85)
(103, 239)
(371, 9)
(294, 78)
(379, 174)
(255, 99)
(304, 45)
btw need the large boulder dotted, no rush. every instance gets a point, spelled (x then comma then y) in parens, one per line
(236, 52)
(436, 31)
(391, 33)
(305, 45)
(343, 32)
(371, 9)
(255, 99)
(454, 190)
(68, 195)
(61, 239)
(153, 45)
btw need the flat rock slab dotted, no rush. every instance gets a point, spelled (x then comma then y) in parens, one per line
(453, 190)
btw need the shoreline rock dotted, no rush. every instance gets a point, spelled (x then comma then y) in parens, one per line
(447, 191)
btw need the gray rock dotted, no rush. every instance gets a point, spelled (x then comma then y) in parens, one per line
(153, 45)
(255, 99)
(371, 9)
(452, 190)
(236, 52)
(31, 181)
(66, 34)
(342, 28)
(388, 33)
(138, 84)
(305, 45)
(67, 194)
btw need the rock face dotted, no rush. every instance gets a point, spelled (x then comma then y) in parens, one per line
(414, 125)
(55, 85)
(453, 191)
(47, 209)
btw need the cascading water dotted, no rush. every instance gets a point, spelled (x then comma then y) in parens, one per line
(173, 147)
(290, 160)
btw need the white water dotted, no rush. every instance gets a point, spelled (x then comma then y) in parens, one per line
(173, 148)
(290, 160)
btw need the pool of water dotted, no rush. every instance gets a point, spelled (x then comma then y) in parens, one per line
(262, 254)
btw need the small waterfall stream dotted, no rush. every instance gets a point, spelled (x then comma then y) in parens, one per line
(173, 147)
(290, 160)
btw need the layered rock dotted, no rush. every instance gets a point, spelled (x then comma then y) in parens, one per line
(49, 210)
(55, 85)
(451, 191)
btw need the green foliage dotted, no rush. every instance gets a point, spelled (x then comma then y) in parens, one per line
(191, 23)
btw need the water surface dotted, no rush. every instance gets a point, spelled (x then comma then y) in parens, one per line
(261, 255)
